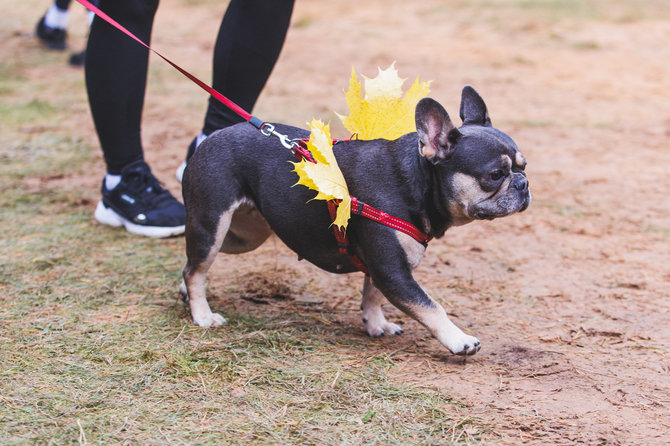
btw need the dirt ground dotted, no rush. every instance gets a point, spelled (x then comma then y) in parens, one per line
(570, 298)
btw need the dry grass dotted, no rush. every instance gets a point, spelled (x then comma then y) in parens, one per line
(96, 348)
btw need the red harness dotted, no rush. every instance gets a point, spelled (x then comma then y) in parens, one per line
(299, 150)
(360, 208)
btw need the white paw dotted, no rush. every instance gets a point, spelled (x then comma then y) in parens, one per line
(464, 345)
(209, 320)
(380, 328)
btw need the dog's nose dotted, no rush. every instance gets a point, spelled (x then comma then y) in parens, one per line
(521, 183)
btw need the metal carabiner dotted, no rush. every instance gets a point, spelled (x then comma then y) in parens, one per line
(268, 129)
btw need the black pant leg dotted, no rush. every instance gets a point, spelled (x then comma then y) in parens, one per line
(116, 75)
(250, 39)
(62, 4)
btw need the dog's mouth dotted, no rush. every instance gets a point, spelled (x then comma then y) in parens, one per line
(502, 207)
(484, 216)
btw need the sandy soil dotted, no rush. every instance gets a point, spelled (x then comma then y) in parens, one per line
(570, 299)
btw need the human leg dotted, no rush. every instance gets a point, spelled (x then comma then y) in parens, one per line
(79, 58)
(248, 44)
(250, 39)
(116, 75)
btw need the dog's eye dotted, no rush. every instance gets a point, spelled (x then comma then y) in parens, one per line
(497, 174)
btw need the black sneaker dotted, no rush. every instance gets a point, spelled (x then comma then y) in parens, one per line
(78, 59)
(141, 205)
(52, 38)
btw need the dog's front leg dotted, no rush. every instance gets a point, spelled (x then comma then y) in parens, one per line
(391, 257)
(434, 317)
(373, 316)
(404, 292)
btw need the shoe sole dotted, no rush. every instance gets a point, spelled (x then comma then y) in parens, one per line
(108, 216)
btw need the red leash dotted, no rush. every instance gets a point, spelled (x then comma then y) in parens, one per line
(297, 146)
(227, 102)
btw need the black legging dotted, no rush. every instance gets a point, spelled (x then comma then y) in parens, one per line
(63, 4)
(248, 44)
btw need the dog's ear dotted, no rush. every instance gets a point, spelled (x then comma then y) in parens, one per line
(437, 134)
(473, 109)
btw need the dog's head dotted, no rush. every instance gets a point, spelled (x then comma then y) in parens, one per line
(480, 170)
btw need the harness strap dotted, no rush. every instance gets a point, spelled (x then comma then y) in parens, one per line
(343, 241)
(362, 209)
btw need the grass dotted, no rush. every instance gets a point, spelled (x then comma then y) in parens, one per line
(162, 379)
(97, 348)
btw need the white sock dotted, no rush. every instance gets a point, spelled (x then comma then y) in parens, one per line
(111, 181)
(199, 139)
(56, 17)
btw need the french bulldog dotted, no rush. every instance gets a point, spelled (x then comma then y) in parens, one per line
(238, 190)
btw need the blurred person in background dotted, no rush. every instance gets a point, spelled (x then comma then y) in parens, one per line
(51, 29)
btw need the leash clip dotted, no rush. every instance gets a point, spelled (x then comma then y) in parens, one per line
(296, 146)
(268, 129)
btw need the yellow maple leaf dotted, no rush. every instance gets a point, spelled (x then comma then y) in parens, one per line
(385, 112)
(325, 176)
(387, 84)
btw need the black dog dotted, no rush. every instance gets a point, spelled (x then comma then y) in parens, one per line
(238, 190)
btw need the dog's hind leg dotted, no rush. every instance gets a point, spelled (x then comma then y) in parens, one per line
(373, 316)
(204, 238)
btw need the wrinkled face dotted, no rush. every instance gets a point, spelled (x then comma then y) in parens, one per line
(479, 168)
(485, 177)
